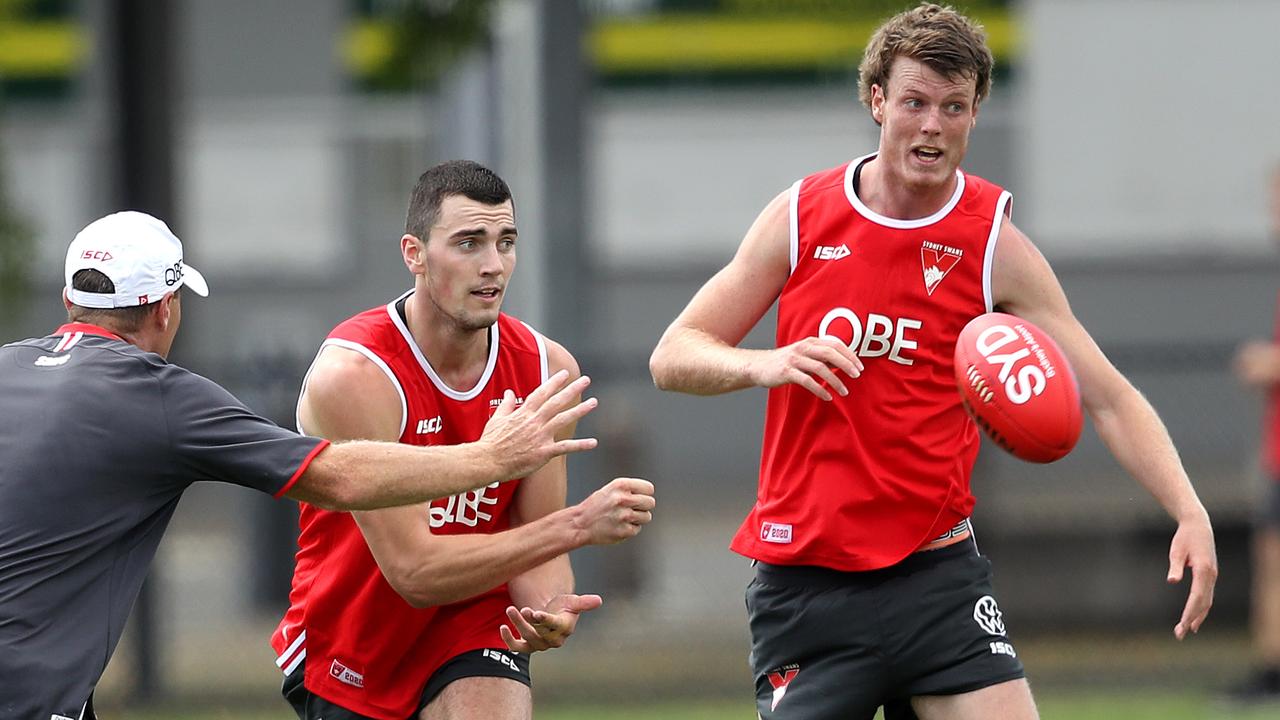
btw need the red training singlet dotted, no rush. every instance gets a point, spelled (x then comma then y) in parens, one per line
(365, 647)
(1271, 436)
(862, 481)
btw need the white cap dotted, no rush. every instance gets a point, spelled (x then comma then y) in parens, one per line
(141, 256)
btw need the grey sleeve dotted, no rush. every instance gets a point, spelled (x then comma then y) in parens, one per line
(217, 438)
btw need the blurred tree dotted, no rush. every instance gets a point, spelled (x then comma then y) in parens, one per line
(832, 9)
(17, 242)
(17, 249)
(425, 38)
(17, 255)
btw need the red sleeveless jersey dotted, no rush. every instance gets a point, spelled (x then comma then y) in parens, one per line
(862, 481)
(1271, 436)
(365, 647)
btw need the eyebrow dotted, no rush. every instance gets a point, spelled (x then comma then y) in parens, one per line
(946, 97)
(479, 232)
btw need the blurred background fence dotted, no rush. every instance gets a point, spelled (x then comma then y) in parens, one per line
(640, 138)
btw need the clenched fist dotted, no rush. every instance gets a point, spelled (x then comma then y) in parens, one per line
(616, 511)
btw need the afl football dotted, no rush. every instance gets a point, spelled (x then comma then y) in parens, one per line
(1018, 387)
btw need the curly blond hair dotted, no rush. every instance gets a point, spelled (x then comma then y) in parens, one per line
(950, 43)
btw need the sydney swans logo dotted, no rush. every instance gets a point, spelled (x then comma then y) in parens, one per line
(937, 260)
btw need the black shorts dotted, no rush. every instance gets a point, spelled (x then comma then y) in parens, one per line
(830, 644)
(476, 663)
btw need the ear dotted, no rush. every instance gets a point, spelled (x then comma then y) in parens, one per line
(66, 301)
(877, 103)
(414, 253)
(163, 311)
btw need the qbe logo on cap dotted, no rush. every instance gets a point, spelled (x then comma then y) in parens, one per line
(137, 253)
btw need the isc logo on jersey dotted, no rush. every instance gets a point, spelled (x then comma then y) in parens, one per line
(1029, 380)
(879, 335)
(831, 252)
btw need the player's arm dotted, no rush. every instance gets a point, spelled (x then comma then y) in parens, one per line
(427, 569)
(699, 352)
(545, 610)
(1257, 364)
(1023, 284)
(363, 475)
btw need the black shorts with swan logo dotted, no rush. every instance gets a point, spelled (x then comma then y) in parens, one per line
(831, 644)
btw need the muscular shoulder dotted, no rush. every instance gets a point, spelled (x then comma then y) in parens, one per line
(776, 216)
(530, 341)
(347, 396)
(1020, 276)
(558, 358)
(766, 242)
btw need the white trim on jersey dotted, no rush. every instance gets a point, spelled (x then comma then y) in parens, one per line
(373, 357)
(431, 372)
(68, 341)
(297, 660)
(293, 655)
(293, 648)
(795, 223)
(1003, 207)
(879, 219)
(542, 349)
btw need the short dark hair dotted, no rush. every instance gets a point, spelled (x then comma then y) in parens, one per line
(454, 177)
(126, 319)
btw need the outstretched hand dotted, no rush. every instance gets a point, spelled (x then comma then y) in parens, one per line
(1193, 547)
(547, 628)
(522, 437)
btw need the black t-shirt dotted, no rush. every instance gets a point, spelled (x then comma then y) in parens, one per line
(98, 441)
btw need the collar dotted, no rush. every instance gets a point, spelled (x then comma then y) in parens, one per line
(87, 329)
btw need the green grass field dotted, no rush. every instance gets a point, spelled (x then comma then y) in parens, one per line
(1144, 705)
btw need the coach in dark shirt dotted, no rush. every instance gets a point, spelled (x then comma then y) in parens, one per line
(100, 435)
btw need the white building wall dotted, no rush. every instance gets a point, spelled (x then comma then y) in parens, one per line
(1148, 125)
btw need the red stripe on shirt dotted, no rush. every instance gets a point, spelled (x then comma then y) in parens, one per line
(87, 329)
(306, 462)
